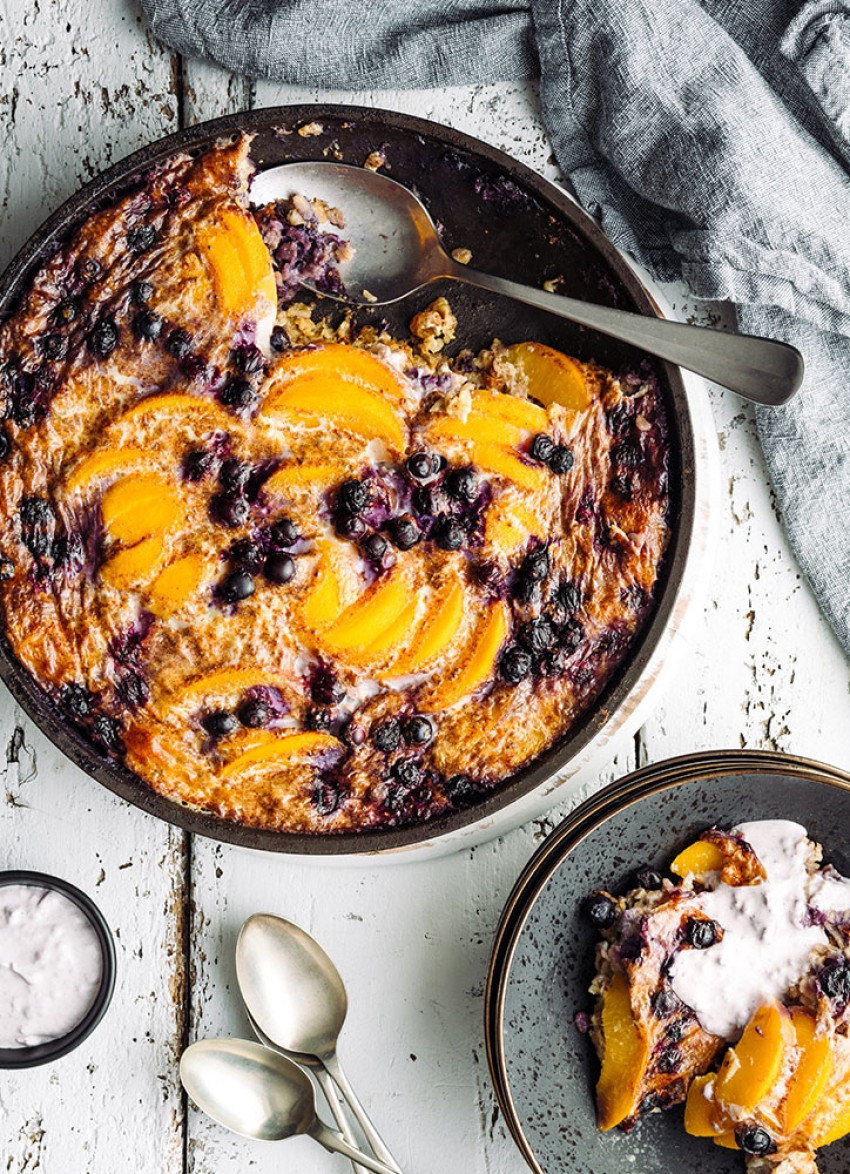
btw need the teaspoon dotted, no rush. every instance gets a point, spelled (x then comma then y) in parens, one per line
(258, 1093)
(397, 250)
(296, 996)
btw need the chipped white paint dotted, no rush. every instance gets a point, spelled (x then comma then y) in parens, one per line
(84, 86)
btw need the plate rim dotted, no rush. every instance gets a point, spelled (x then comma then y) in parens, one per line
(574, 828)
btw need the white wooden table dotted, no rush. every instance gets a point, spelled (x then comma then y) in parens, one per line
(83, 85)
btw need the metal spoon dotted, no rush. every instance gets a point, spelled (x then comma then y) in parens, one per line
(332, 1095)
(256, 1092)
(397, 250)
(296, 997)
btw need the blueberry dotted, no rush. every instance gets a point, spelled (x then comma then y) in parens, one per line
(350, 526)
(178, 344)
(5, 443)
(89, 268)
(448, 533)
(38, 525)
(7, 569)
(237, 586)
(418, 731)
(353, 496)
(279, 568)
(568, 597)
(76, 701)
(421, 466)
(374, 547)
(106, 731)
(676, 1032)
(219, 723)
(648, 878)
(486, 574)
(234, 475)
(140, 238)
(283, 532)
(408, 772)
(279, 339)
(353, 734)
(65, 313)
(428, 499)
(834, 979)
(536, 635)
(669, 1060)
(622, 486)
(245, 555)
(147, 325)
(197, 463)
(700, 933)
(404, 532)
(561, 460)
(103, 339)
(387, 736)
(327, 796)
(239, 394)
(554, 663)
(325, 689)
(535, 566)
(318, 720)
(230, 509)
(626, 455)
(541, 447)
(141, 292)
(526, 591)
(462, 485)
(754, 1140)
(461, 790)
(570, 636)
(133, 691)
(53, 346)
(254, 713)
(600, 910)
(664, 1002)
(249, 360)
(515, 665)
(68, 551)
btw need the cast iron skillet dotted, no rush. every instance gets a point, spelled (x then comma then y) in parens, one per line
(518, 225)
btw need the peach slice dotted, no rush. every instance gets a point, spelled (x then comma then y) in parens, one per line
(508, 525)
(476, 663)
(702, 1118)
(276, 751)
(551, 377)
(625, 1053)
(727, 1140)
(135, 507)
(240, 261)
(354, 407)
(352, 364)
(101, 464)
(392, 636)
(752, 1067)
(134, 566)
(698, 859)
(331, 589)
(521, 413)
(474, 427)
(365, 621)
(177, 584)
(224, 682)
(495, 459)
(174, 405)
(835, 1122)
(440, 626)
(812, 1072)
(293, 476)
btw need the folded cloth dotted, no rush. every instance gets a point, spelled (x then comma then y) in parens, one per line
(711, 139)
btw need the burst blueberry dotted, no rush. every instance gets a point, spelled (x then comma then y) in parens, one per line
(387, 736)
(197, 464)
(403, 532)
(408, 772)
(53, 346)
(515, 665)
(141, 292)
(353, 496)
(418, 731)
(648, 878)
(229, 508)
(5, 443)
(103, 339)
(374, 548)
(350, 526)
(283, 532)
(318, 720)
(535, 566)
(77, 701)
(254, 713)
(106, 731)
(279, 340)
(140, 238)
(541, 447)
(561, 460)
(536, 635)
(448, 533)
(234, 475)
(219, 723)
(238, 394)
(325, 689)
(461, 790)
(249, 360)
(246, 555)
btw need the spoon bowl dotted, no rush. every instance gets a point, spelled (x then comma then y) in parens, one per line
(397, 250)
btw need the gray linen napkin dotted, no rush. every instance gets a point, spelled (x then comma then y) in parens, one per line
(710, 137)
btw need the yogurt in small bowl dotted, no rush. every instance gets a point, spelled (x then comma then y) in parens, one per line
(57, 968)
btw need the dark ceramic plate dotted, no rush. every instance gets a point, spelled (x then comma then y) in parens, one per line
(544, 1070)
(518, 225)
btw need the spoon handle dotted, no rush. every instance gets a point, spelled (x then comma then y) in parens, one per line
(339, 1114)
(332, 1141)
(369, 1131)
(758, 369)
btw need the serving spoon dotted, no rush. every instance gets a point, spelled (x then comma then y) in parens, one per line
(397, 250)
(258, 1093)
(296, 998)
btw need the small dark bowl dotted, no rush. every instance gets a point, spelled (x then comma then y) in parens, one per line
(55, 1048)
(543, 1068)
